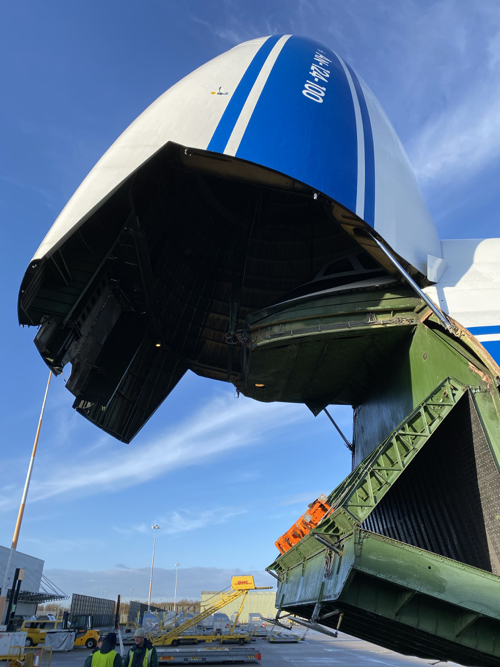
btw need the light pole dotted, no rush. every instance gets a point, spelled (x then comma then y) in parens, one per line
(13, 548)
(155, 528)
(175, 593)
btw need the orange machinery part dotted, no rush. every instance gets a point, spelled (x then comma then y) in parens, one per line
(315, 512)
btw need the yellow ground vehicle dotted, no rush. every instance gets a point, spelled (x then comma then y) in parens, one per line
(85, 634)
(89, 638)
(38, 629)
(173, 636)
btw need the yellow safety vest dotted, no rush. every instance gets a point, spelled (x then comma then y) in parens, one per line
(103, 659)
(146, 660)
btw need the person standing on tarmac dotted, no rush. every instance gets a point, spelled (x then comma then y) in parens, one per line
(143, 654)
(104, 654)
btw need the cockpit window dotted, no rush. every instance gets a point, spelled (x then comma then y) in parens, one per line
(340, 266)
(344, 271)
(367, 261)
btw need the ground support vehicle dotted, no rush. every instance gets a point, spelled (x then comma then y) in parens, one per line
(281, 638)
(209, 639)
(86, 636)
(284, 635)
(173, 636)
(36, 630)
(213, 654)
(260, 632)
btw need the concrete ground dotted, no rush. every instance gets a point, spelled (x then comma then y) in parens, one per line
(318, 649)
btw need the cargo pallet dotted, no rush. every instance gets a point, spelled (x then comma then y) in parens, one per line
(284, 639)
(214, 654)
(208, 639)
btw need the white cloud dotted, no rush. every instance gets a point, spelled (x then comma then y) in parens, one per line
(133, 583)
(240, 23)
(131, 530)
(301, 498)
(182, 521)
(460, 142)
(433, 66)
(61, 545)
(221, 426)
(453, 84)
(246, 476)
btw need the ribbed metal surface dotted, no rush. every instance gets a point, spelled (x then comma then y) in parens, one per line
(407, 640)
(447, 500)
(102, 611)
(489, 487)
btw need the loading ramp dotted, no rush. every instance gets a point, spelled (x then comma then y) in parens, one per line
(438, 602)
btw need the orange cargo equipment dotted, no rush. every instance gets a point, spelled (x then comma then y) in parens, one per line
(316, 511)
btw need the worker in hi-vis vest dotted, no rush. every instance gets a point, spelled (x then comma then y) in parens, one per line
(105, 655)
(143, 654)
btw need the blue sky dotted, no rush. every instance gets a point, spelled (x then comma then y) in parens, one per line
(223, 477)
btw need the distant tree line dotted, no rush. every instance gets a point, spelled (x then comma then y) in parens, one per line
(182, 605)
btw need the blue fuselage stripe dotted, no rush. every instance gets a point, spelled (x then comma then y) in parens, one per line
(369, 213)
(226, 124)
(312, 141)
(478, 331)
(492, 346)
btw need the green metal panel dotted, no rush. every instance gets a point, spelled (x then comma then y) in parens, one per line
(429, 605)
(428, 574)
(327, 350)
(396, 594)
(354, 499)
(488, 405)
(417, 366)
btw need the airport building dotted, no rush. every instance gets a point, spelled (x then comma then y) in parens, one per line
(35, 587)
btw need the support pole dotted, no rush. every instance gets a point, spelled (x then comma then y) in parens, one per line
(155, 528)
(14, 595)
(437, 312)
(175, 593)
(117, 614)
(348, 444)
(17, 529)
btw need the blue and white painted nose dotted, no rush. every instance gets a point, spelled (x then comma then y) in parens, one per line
(289, 104)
